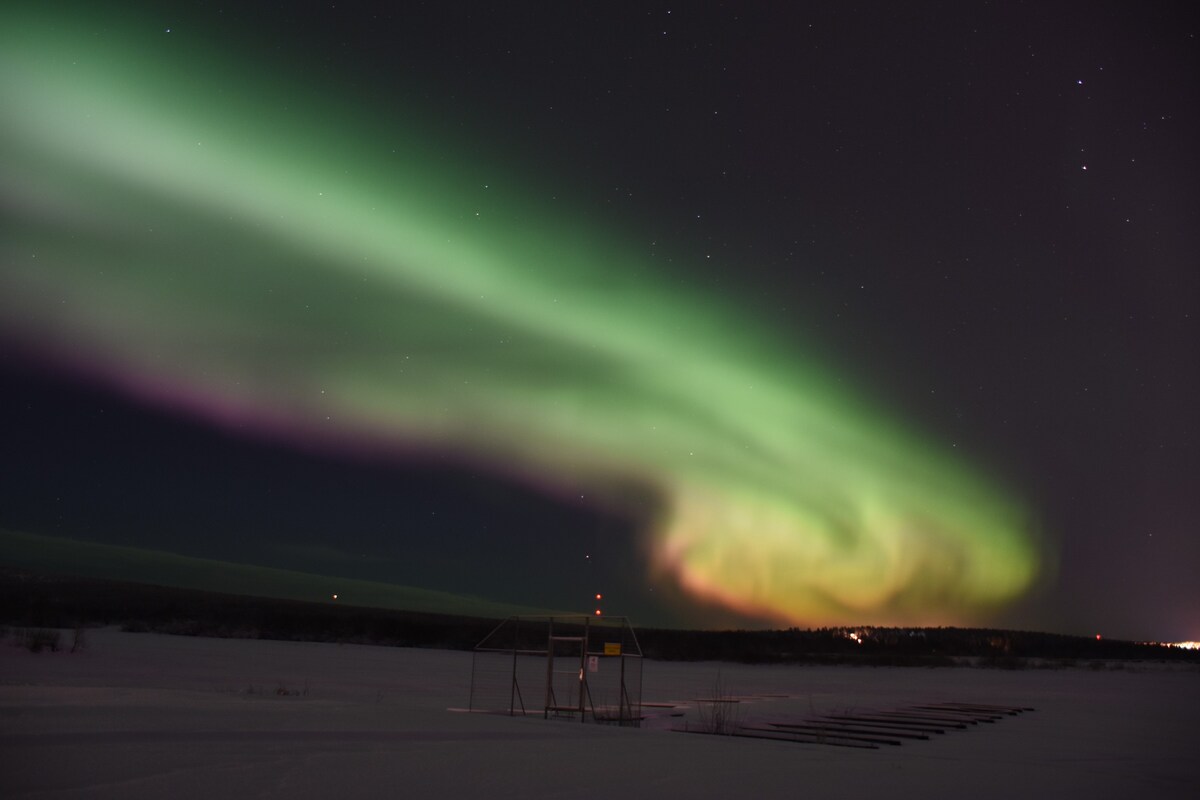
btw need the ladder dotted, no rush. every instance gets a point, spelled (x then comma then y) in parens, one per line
(571, 673)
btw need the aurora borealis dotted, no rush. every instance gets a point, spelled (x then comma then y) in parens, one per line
(262, 253)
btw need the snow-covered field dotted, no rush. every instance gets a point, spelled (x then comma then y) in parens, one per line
(146, 715)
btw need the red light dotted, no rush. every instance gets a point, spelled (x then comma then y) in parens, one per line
(1097, 637)
(597, 612)
(599, 596)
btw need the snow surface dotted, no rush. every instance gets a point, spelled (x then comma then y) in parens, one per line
(147, 715)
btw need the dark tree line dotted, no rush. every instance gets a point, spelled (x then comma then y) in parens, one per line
(29, 600)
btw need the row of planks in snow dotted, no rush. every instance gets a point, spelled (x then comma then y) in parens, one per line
(873, 729)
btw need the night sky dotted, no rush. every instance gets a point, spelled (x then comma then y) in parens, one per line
(739, 314)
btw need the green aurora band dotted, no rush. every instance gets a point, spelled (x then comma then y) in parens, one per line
(225, 247)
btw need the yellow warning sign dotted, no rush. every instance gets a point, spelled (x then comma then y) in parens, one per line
(612, 648)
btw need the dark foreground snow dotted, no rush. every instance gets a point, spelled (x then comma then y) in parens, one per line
(145, 715)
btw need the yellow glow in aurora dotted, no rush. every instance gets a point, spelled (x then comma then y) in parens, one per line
(201, 246)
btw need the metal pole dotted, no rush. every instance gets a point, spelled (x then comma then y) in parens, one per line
(623, 698)
(549, 668)
(583, 646)
(512, 689)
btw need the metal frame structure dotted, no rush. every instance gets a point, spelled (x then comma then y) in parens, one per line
(592, 668)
